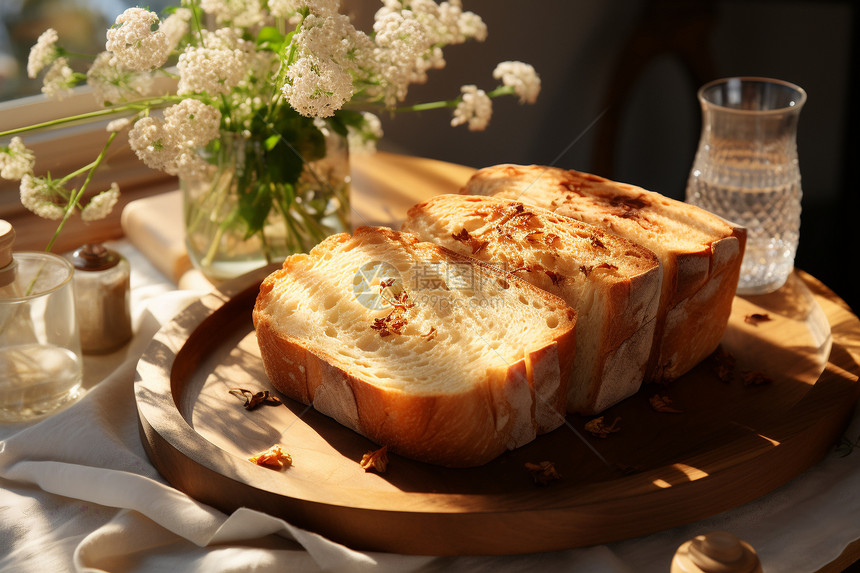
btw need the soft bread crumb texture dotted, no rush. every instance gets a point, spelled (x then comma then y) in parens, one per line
(460, 322)
(613, 283)
(438, 356)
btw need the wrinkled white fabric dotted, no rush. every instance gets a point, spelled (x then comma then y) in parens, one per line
(78, 493)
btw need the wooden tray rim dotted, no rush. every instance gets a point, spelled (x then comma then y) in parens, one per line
(156, 385)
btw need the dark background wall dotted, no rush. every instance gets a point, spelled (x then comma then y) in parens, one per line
(619, 98)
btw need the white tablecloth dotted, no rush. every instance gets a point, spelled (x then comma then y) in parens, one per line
(78, 493)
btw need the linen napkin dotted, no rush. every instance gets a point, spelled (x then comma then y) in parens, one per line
(78, 493)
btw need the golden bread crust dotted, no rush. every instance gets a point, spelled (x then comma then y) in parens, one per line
(700, 252)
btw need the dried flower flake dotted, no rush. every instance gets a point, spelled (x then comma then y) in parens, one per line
(543, 473)
(275, 458)
(254, 399)
(755, 378)
(663, 404)
(599, 429)
(755, 318)
(723, 364)
(376, 460)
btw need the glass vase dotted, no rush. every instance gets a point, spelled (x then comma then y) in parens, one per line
(252, 211)
(746, 170)
(41, 367)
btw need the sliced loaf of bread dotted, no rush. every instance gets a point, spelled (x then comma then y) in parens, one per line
(700, 252)
(438, 356)
(613, 283)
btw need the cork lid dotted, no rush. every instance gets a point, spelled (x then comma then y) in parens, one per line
(94, 257)
(7, 237)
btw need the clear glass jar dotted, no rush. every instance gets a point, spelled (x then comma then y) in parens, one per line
(40, 350)
(746, 170)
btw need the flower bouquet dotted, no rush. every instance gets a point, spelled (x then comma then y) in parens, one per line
(267, 97)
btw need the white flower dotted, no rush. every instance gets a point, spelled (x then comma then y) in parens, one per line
(171, 145)
(40, 196)
(192, 123)
(317, 88)
(150, 142)
(101, 205)
(288, 8)
(16, 160)
(59, 80)
(133, 42)
(475, 108)
(118, 125)
(175, 26)
(241, 13)
(187, 164)
(43, 53)
(472, 26)
(363, 139)
(282, 8)
(320, 81)
(520, 76)
(215, 69)
(113, 83)
(400, 54)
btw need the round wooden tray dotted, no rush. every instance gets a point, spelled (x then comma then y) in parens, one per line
(732, 442)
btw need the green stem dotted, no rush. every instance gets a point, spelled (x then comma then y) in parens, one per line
(428, 105)
(312, 226)
(134, 106)
(216, 192)
(292, 231)
(216, 240)
(66, 53)
(195, 11)
(499, 91)
(76, 195)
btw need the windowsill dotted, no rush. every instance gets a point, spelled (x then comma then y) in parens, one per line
(61, 150)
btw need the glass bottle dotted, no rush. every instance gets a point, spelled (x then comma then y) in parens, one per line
(102, 298)
(40, 351)
(746, 170)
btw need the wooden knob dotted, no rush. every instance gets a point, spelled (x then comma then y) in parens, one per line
(717, 552)
(7, 237)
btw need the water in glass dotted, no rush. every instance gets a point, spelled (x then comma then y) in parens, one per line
(746, 170)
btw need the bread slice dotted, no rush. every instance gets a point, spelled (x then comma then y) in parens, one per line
(438, 356)
(700, 252)
(613, 283)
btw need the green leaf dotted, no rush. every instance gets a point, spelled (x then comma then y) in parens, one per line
(298, 141)
(283, 163)
(270, 38)
(254, 207)
(271, 142)
(343, 118)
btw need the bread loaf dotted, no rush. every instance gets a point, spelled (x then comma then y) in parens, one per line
(436, 355)
(700, 252)
(613, 283)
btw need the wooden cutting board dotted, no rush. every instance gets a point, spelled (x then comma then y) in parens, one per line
(731, 442)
